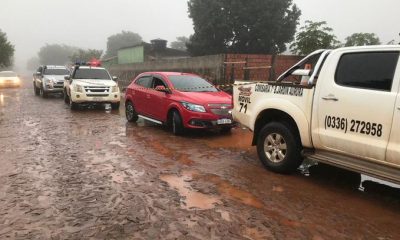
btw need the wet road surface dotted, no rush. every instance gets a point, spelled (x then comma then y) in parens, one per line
(88, 174)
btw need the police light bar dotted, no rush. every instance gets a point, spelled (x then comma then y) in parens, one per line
(92, 63)
(95, 62)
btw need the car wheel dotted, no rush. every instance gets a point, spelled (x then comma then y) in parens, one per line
(177, 125)
(42, 93)
(115, 106)
(66, 98)
(36, 89)
(279, 148)
(73, 105)
(130, 112)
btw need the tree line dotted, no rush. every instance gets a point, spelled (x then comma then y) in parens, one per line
(220, 26)
(262, 27)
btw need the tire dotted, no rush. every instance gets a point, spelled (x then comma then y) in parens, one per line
(36, 90)
(73, 105)
(226, 130)
(130, 112)
(279, 148)
(42, 93)
(66, 98)
(177, 124)
(115, 106)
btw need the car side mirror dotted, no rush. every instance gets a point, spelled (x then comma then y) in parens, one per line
(67, 78)
(162, 89)
(114, 78)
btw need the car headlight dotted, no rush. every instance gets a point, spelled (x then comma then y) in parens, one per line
(78, 88)
(115, 89)
(193, 107)
(48, 81)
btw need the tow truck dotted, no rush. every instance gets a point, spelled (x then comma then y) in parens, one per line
(340, 107)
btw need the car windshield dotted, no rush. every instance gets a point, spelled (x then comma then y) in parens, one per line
(56, 71)
(90, 73)
(188, 83)
(8, 74)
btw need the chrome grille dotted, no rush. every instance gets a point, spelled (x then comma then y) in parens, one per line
(221, 109)
(97, 95)
(221, 112)
(95, 90)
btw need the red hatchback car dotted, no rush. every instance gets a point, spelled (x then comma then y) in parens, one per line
(178, 100)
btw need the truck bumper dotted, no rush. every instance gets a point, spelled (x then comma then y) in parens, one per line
(105, 98)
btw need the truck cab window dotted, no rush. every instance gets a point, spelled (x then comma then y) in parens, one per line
(369, 70)
(308, 64)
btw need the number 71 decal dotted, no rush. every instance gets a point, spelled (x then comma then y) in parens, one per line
(243, 106)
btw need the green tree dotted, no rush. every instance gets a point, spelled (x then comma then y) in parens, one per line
(241, 26)
(55, 54)
(121, 40)
(313, 36)
(6, 51)
(180, 43)
(86, 55)
(362, 39)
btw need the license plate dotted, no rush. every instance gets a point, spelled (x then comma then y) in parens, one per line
(224, 121)
(98, 99)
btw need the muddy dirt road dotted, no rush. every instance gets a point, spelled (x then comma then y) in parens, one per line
(89, 175)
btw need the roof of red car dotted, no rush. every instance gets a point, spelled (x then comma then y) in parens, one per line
(169, 73)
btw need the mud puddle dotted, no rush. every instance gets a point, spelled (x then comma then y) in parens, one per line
(191, 199)
(238, 139)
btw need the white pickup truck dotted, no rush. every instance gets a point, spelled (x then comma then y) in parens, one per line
(340, 107)
(91, 85)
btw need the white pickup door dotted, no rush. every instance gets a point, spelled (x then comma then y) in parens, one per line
(393, 152)
(355, 104)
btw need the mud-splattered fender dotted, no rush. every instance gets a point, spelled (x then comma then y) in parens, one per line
(173, 105)
(288, 107)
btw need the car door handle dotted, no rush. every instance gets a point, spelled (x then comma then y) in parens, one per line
(330, 97)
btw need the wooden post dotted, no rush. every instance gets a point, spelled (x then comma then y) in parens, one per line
(272, 69)
(246, 70)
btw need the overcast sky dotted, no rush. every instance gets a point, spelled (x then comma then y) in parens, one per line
(30, 24)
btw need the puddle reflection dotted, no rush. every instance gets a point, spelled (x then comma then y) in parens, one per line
(191, 198)
(1, 99)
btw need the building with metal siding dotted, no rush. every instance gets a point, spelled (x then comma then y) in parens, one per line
(145, 52)
(133, 54)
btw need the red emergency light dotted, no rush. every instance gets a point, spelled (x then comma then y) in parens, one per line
(94, 63)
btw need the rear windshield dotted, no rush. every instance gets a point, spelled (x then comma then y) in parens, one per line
(8, 74)
(54, 71)
(89, 73)
(187, 83)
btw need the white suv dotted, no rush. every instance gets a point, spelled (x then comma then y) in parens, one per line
(91, 85)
